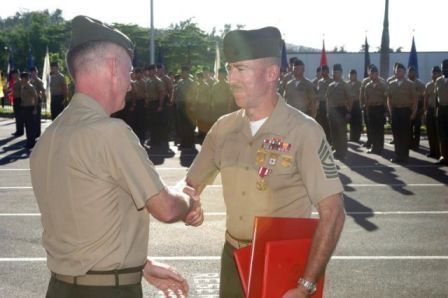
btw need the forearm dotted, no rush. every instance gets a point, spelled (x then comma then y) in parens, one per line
(324, 242)
(168, 206)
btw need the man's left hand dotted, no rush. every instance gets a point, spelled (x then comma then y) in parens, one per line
(166, 279)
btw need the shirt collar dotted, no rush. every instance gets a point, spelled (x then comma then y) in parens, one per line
(85, 101)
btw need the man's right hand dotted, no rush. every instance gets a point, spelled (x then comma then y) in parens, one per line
(195, 216)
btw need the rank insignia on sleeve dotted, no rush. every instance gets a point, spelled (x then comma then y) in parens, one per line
(327, 161)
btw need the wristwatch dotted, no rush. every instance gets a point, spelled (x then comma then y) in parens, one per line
(308, 285)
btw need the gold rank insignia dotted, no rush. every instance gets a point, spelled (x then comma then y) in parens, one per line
(286, 161)
(261, 157)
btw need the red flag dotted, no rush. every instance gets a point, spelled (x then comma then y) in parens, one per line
(323, 55)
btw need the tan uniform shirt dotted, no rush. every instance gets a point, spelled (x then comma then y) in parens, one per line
(139, 91)
(16, 88)
(362, 88)
(355, 86)
(322, 87)
(442, 91)
(430, 91)
(375, 93)
(57, 84)
(339, 94)
(91, 179)
(420, 87)
(300, 94)
(281, 171)
(155, 89)
(402, 95)
(28, 95)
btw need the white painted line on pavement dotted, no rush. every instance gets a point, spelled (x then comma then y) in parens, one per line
(215, 258)
(16, 187)
(313, 213)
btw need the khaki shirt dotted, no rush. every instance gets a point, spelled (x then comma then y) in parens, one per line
(155, 89)
(362, 99)
(404, 95)
(57, 84)
(430, 91)
(28, 95)
(420, 87)
(339, 94)
(138, 90)
(375, 93)
(281, 171)
(442, 91)
(355, 86)
(322, 87)
(300, 94)
(91, 179)
(16, 88)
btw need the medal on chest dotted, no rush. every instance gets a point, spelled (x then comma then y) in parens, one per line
(261, 182)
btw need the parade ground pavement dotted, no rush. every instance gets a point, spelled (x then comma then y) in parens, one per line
(394, 243)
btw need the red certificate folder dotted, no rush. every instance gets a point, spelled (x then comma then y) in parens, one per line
(270, 229)
(285, 261)
(242, 259)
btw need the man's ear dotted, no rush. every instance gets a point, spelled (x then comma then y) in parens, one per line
(272, 73)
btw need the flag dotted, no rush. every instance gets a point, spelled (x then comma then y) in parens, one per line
(284, 65)
(46, 80)
(323, 55)
(217, 61)
(366, 58)
(413, 57)
(29, 60)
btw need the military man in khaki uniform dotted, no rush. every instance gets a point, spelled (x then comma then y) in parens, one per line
(316, 79)
(39, 85)
(299, 91)
(185, 94)
(96, 199)
(442, 113)
(28, 109)
(322, 113)
(202, 107)
(287, 76)
(339, 104)
(137, 109)
(154, 107)
(58, 90)
(402, 105)
(167, 119)
(356, 113)
(375, 95)
(222, 100)
(430, 114)
(16, 87)
(416, 124)
(362, 102)
(273, 160)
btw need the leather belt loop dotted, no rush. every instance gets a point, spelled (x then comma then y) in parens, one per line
(117, 279)
(75, 280)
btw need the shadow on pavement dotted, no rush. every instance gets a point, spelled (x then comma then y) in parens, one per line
(360, 213)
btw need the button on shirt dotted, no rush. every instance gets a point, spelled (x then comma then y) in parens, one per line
(290, 148)
(91, 179)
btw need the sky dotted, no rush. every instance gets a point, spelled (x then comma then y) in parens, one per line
(343, 23)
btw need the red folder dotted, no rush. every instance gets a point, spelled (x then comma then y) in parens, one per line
(284, 262)
(242, 260)
(272, 229)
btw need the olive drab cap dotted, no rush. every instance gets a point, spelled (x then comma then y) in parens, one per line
(242, 45)
(86, 29)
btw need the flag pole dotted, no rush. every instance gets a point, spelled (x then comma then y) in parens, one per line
(151, 46)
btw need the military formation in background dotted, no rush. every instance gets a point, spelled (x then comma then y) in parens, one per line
(163, 107)
(402, 100)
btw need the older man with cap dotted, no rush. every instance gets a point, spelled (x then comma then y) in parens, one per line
(95, 185)
(273, 159)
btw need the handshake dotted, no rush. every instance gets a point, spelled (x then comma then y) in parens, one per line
(195, 214)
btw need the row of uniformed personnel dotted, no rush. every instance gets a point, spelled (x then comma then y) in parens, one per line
(158, 103)
(334, 103)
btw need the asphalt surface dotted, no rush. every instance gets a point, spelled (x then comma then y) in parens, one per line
(394, 243)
